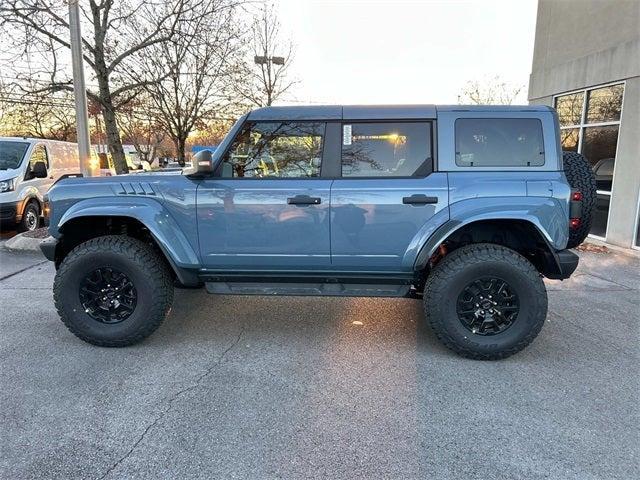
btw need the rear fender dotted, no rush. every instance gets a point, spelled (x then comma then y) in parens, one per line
(546, 214)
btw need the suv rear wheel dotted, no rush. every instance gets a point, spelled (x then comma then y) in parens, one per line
(113, 291)
(485, 301)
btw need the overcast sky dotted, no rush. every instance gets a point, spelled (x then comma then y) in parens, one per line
(373, 51)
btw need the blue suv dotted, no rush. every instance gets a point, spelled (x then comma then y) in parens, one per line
(466, 208)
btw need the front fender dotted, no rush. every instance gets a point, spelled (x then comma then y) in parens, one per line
(147, 211)
(546, 214)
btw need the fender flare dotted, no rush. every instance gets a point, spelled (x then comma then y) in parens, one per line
(22, 204)
(527, 209)
(181, 255)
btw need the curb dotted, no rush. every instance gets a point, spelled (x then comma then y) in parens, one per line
(22, 243)
(629, 252)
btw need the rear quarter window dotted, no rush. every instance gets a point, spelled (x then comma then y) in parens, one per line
(499, 142)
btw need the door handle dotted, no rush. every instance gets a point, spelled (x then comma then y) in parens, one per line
(419, 199)
(304, 200)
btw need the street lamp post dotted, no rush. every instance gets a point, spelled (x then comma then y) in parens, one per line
(79, 89)
(261, 60)
(269, 81)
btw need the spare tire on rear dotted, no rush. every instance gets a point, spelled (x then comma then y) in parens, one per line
(580, 177)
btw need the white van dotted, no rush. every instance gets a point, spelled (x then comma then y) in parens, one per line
(28, 167)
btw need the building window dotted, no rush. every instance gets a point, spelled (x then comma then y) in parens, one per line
(589, 124)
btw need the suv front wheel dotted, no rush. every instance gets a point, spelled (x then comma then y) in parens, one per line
(113, 291)
(485, 301)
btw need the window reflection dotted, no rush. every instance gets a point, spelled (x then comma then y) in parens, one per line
(569, 108)
(569, 139)
(600, 143)
(386, 149)
(604, 104)
(597, 143)
(275, 150)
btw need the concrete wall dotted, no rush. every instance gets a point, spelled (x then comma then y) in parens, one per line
(584, 43)
(626, 179)
(581, 44)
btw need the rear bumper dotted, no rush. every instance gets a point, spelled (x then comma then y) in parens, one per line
(566, 262)
(48, 247)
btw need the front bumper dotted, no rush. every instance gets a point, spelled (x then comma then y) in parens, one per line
(9, 212)
(48, 247)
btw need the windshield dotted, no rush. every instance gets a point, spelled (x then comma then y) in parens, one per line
(11, 154)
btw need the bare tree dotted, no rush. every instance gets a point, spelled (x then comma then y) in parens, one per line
(43, 115)
(117, 34)
(142, 127)
(492, 92)
(198, 84)
(268, 70)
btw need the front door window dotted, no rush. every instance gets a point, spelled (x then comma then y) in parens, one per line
(276, 150)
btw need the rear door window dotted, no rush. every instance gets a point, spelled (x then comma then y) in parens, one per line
(499, 142)
(393, 149)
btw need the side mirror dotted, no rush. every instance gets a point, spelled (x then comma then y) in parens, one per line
(202, 163)
(39, 170)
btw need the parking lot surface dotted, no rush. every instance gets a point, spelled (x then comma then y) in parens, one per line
(295, 387)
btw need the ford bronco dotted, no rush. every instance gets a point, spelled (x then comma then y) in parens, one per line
(467, 208)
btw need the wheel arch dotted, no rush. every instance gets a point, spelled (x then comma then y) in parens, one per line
(31, 197)
(146, 222)
(519, 234)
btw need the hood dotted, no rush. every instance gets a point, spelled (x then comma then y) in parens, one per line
(10, 173)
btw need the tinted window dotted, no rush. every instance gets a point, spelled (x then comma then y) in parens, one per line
(386, 149)
(39, 154)
(11, 154)
(502, 142)
(275, 150)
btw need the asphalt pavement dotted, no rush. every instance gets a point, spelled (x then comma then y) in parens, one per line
(276, 387)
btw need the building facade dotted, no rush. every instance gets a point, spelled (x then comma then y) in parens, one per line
(586, 64)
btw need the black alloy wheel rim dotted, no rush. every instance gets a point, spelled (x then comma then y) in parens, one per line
(108, 295)
(487, 306)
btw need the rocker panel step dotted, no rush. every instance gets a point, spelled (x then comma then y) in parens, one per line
(309, 289)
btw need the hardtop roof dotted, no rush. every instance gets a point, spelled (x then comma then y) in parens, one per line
(378, 112)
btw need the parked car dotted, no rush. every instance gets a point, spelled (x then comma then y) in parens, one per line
(466, 208)
(28, 168)
(603, 171)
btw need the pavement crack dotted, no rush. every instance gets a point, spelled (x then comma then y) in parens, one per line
(170, 403)
(23, 270)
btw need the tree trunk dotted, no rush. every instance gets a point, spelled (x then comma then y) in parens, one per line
(181, 147)
(113, 140)
(106, 101)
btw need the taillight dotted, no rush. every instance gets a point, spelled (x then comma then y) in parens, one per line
(576, 196)
(574, 222)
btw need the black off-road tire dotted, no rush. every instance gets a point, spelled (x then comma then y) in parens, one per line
(30, 210)
(580, 176)
(147, 271)
(461, 267)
